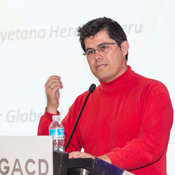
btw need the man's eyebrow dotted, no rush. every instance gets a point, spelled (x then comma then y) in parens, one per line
(102, 44)
(96, 46)
(89, 49)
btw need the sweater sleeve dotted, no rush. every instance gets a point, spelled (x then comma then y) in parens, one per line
(69, 122)
(152, 140)
(45, 120)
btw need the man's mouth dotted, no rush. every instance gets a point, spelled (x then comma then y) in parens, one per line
(101, 66)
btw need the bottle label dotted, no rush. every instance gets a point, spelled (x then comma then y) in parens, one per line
(56, 133)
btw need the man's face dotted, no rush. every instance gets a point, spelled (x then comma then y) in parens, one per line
(111, 63)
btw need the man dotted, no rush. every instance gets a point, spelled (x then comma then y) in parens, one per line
(127, 119)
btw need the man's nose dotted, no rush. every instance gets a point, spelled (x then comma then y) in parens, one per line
(97, 54)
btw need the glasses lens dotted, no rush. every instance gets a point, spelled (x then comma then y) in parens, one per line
(103, 48)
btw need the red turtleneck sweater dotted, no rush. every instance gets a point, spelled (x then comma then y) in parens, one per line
(128, 119)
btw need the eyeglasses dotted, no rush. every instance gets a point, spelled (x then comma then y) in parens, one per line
(103, 48)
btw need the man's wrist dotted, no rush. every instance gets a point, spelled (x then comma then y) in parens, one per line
(51, 110)
(105, 158)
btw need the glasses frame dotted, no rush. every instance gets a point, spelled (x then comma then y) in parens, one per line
(85, 54)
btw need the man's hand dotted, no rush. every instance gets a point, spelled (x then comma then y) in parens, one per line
(52, 87)
(78, 154)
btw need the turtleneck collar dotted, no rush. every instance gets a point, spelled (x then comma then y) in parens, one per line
(118, 82)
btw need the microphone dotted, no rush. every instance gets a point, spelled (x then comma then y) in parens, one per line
(91, 89)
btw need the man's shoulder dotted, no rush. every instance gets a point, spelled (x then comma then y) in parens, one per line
(81, 97)
(150, 83)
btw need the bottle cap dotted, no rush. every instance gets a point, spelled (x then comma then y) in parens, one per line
(56, 117)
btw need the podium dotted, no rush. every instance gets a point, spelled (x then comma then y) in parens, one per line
(62, 165)
(35, 156)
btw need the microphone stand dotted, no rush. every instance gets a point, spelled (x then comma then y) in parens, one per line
(91, 89)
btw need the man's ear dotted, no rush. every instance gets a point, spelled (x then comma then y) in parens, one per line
(124, 47)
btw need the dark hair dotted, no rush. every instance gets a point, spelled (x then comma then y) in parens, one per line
(94, 26)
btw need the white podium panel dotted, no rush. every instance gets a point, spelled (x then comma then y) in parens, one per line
(26, 155)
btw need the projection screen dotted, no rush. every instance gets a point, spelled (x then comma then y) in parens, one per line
(39, 39)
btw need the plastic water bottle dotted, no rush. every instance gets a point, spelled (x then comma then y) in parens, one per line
(56, 130)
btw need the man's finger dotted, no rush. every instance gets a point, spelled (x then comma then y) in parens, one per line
(78, 154)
